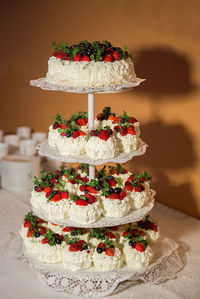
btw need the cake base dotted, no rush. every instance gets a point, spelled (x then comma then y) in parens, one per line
(165, 265)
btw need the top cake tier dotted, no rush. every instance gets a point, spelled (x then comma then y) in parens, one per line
(96, 65)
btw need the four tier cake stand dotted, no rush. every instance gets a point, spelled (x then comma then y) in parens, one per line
(166, 262)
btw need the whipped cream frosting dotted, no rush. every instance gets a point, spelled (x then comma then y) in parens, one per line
(77, 260)
(53, 137)
(72, 146)
(97, 148)
(137, 199)
(85, 214)
(107, 263)
(116, 208)
(90, 74)
(135, 258)
(127, 143)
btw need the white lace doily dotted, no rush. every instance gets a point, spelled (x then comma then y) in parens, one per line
(133, 216)
(45, 150)
(165, 264)
(42, 83)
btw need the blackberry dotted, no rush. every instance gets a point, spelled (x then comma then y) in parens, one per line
(98, 187)
(118, 190)
(58, 241)
(99, 250)
(68, 134)
(37, 234)
(123, 121)
(85, 191)
(55, 192)
(132, 243)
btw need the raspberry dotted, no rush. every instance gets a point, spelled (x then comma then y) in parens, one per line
(86, 58)
(80, 243)
(75, 134)
(128, 186)
(109, 252)
(85, 180)
(74, 247)
(133, 120)
(82, 188)
(153, 227)
(130, 178)
(116, 55)
(122, 194)
(48, 194)
(102, 245)
(64, 194)
(93, 133)
(72, 181)
(42, 230)
(81, 122)
(77, 57)
(57, 172)
(47, 189)
(91, 199)
(27, 223)
(112, 183)
(57, 197)
(139, 247)
(114, 196)
(138, 189)
(39, 189)
(104, 135)
(124, 131)
(81, 202)
(110, 50)
(110, 235)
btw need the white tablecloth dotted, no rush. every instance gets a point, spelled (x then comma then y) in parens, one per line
(19, 281)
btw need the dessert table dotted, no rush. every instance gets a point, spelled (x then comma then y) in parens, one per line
(17, 280)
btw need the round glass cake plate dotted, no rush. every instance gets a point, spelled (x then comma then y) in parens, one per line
(91, 282)
(43, 84)
(133, 216)
(45, 150)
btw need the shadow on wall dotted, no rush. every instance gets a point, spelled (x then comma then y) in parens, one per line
(171, 146)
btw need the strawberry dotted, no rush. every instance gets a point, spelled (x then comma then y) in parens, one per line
(64, 194)
(102, 245)
(72, 181)
(77, 57)
(27, 223)
(39, 189)
(116, 55)
(153, 227)
(81, 122)
(75, 134)
(74, 247)
(88, 251)
(114, 196)
(116, 121)
(57, 197)
(48, 194)
(45, 241)
(125, 234)
(47, 189)
(112, 117)
(133, 120)
(91, 199)
(62, 134)
(63, 126)
(109, 252)
(81, 202)
(108, 58)
(39, 220)
(110, 235)
(130, 178)
(86, 58)
(131, 130)
(110, 50)
(85, 180)
(54, 181)
(124, 131)
(81, 133)
(122, 194)
(128, 186)
(80, 243)
(112, 183)
(138, 189)
(66, 229)
(91, 190)
(65, 56)
(93, 133)
(42, 230)
(104, 135)
(139, 247)
(29, 234)
(82, 188)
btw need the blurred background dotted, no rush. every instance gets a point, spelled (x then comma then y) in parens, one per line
(164, 39)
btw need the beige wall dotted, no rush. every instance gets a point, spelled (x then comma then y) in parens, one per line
(165, 41)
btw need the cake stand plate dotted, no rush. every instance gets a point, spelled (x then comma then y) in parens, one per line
(165, 265)
(45, 150)
(133, 216)
(43, 84)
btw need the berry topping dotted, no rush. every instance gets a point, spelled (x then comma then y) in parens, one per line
(56, 197)
(86, 58)
(116, 55)
(110, 235)
(66, 229)
(91, 190)
(77, 57)
(131, 130)
(63, 126)
(109, 252)
(108, 58)
(74, 247)
(128, 186)
(64, 195)
(81, 122)
(104, 135)
(81, 202)
(47, 189)
(139, 247)
(75, 134)
(114, 196)
(82, 188)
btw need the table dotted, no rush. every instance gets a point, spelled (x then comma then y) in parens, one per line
(19, 281)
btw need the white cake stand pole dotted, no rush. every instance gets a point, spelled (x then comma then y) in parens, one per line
(90, 127)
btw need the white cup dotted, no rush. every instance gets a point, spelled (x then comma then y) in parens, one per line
(17, 172)
(1, 135)
(24, 132)
(3, 149)
(27, 147)
(39, 136)
(13, 143)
